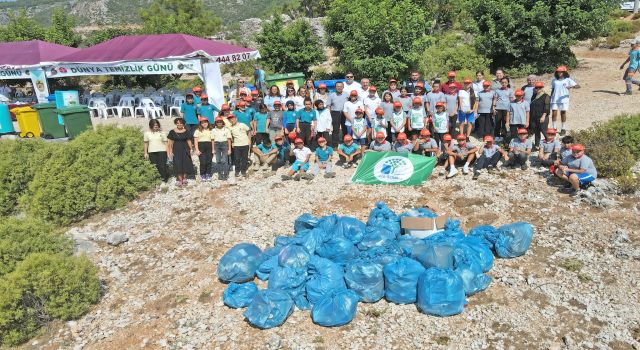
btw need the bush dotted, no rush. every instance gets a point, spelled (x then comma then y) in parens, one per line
(19, 161)
(626, 128)
(19, 238)
(628, 184)
(41, 288)
(450, 52)
(98, 171)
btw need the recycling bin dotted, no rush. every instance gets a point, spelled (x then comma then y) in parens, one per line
(51, 129)
(77, 119)
(28, 122)
(6, 124)
(281, 80)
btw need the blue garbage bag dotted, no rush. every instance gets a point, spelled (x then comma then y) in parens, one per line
(401, 280)
(239, 295)
(324, 276)
(305, 221)
(434, 254)
(265, 268)
(382, 216)
(350, 228)
(273, 251)
(290, 280)
(281, 241)
(376, 237)
(293, 256)
(452, 229)
(269, 308)
(239, 263)
(383, 255)
(337, 249)
(479, 247)
(311, 239)
(409, 243)
(336, 309)
(513, 239)
(440, 293)
(487, 233)
(366, 279)
(467, 265)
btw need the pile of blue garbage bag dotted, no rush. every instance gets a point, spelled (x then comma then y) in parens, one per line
(332, 263)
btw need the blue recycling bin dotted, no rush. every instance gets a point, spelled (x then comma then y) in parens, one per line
(6, 124)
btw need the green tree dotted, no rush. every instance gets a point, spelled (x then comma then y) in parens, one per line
(315, 8)
(380, 39)
(104, 34)
(21, 28)
(449, 52)
(62, 30)
(179, 16)
(535, 35)
(290, 48)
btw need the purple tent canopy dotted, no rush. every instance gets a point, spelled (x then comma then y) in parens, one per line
(161, 46)
(19, 54)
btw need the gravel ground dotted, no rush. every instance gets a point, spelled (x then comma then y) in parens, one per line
(576, 288)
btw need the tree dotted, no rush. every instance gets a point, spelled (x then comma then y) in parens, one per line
(449, 52)
(380, 39)
(314, 8)
(179, 16)
(104, 34)
(21, 28)
(290, 48)
(61, 30)
(536, 35)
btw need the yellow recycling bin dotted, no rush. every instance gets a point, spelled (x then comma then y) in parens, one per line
(28, 121)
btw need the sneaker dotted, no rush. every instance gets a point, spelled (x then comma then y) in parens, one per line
(348, 165)
(575, 193)
(286, 177)
(628, 93)
(465, 170)
(269, 174)
(476, 174)
(237, 174)
(452, 173)
(296, 177)
(563, 132)
(244, 175)
(307, 176)
(329, 175)
(491, 169)
(524, 167)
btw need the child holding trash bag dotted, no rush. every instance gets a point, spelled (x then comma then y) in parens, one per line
(204, 147)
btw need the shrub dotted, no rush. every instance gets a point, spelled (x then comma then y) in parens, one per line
(450, 52)
(19, 161)
(628, 184)
(98, 171)
(19, 238)
(626, 128)
(41, 288)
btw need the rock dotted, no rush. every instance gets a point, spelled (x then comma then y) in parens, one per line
(274, 342)
(568, 341)
(620, 237)
(117, 238)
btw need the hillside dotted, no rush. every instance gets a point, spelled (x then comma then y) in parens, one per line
(126, 11)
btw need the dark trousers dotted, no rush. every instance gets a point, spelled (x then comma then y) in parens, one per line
(260, 137)
(159, 159)
(513, 132)
(484, 125)
(241, 159)
(453, 119)
(305, 133)
(518, 159)
(500, 128)
(538, 128)
(548, 162)
(485, 162)
(222, 159)
(337, 122)
(343, 160)
(206, 157)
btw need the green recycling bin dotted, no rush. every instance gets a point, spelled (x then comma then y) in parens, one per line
(51, 129)
(281, 80)
(77, 119)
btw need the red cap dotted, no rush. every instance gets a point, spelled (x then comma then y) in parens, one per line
(298, 140)
(225, 107)
(204, 96)
(440, 104)
(202, 119)
(519, 93)
(488, 138)
(248, 99)
(451, 74)
(420, 84)
(241, 103)
(417, 101)
(393, 80)
(397, 104)
(380, 135)
(373, 88)
(552, 131)
(425, 132)
(278, 137)
(219, 119)
(379, 111)
(243, 92)
(277, 102)
(461, 137)
(539, 84)
(322, 86)
(402, 136)
(321, 139)
(561, 69)
(347, 138)
(353, 93)
(522, 131)
(230, 116)
(468, 81)
(293, 135)
(196, 89)
(486, 83)
(577, 147)
(359, 110)
(446, 137)
(255, 92)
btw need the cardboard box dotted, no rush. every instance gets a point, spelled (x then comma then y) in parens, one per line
(424, 227)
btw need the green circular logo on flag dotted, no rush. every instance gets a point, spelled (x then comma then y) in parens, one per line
(393, 169)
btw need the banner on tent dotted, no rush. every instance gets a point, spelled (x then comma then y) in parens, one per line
(10, 73)
(236, 57)
(40, 86)
(126, 68)
(393, 168)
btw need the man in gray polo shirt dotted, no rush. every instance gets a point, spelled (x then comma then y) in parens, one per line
(518, 116)
(336, 105)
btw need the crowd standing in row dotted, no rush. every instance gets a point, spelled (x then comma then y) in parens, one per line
(301, 127)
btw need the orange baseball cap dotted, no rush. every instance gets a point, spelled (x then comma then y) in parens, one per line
(402, 136)
(379, 111)
(347, 138)
(446, 137)
(380, 135)
(451, 74)
(425, 132)
(397, 104)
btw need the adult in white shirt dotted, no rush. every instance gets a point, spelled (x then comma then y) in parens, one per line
(560, 86)
(350, 84)
(371, 101)
(477, 84)
(364, 89)
(349, 110)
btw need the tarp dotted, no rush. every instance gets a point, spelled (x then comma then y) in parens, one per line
(18, 59)
(393, 168)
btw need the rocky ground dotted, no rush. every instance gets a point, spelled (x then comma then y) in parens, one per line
(576, 288)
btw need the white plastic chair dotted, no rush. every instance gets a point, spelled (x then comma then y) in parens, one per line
(125, 104)
(177, 106)
(110, 99)
(149, 109)
(98, 107)
(138, 98)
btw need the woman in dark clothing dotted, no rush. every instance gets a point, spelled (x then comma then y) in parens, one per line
(179, 148)
(539, 112)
